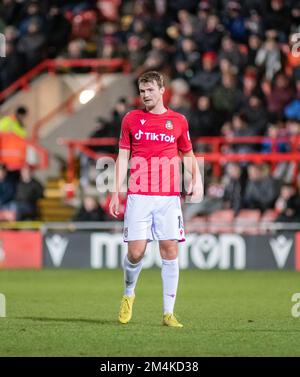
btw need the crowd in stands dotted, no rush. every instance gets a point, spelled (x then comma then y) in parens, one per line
(232, 68)
(19, 194)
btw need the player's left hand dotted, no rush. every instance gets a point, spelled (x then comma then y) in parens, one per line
(114, 205)
(195, 193)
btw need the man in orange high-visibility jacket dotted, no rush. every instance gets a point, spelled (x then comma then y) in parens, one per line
(15, 123)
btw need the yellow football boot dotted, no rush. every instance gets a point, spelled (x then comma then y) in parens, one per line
(170, 320)
(125, 313)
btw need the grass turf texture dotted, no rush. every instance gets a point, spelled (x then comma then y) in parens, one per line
(74, 313)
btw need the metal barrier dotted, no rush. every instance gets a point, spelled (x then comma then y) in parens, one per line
(215, 155)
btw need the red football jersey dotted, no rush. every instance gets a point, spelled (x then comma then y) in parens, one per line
(154, 141)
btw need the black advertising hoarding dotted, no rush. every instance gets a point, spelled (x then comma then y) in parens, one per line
(85, 249)
(66, 249)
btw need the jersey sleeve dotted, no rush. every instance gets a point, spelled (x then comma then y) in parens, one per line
(125, 141)
(184, 141)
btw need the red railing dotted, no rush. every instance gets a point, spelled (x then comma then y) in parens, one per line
(218, 153)
(215, 155)
(52, 65)
(65, 106)
(97, 66)
(23, 82)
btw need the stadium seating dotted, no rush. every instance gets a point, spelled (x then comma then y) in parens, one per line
(7, 215)
(221, 221)
(247, 221)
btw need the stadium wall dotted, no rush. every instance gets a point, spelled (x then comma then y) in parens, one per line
(90, 249)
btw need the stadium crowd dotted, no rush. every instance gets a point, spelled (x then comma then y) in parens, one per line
(232, 68)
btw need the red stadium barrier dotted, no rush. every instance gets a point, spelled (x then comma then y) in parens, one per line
(109, 65)
(215, 155)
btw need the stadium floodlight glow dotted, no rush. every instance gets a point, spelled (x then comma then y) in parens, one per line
(86, 95)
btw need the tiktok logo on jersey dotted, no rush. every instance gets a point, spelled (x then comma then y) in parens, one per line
(151, 136)
(138, 135)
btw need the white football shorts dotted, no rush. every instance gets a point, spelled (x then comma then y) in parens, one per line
(153, 217)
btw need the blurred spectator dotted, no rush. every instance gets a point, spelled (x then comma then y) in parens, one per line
(256, 114)
(285, 170)
(288, 204)
(33, 45)
(203, 121)
(136, 52)
(139, 29)
(10, 11)
(186, 23)
(102, 130)
(180, 104)
(261, 190)
(274, 141)
(254, 44)
(269, 56)
(7, 187)
(15, 123)
(295, 17)
(11, 34)
(230, 51)
(254, 23)
(234, 21)
(110, 48)
(292, 109)
(249, 86)
(105, 128)
(206, 79)
(90, 211)
(287, 190)
(120, 108)
(28, 192)
(226, 96)
(240, 127)
(12, 66)
(77, 50)
(32, 14)
(157, 58)
(204, 9)
(293, 128)
(187, 52)
(58, 31)
(234, 188)
(280, 95)
(276, 13)
(209, 39)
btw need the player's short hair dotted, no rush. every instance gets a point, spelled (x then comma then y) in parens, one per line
(152, 76)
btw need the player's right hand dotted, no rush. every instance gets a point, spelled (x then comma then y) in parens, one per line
(114, 205)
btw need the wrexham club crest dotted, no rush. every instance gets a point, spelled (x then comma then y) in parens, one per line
(169, 125)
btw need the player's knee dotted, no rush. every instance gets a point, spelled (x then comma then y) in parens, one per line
(134, 256)
(169, 253)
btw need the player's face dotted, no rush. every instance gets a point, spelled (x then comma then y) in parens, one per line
(151, 94)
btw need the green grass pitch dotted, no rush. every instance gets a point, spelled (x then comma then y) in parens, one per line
(74, 313)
